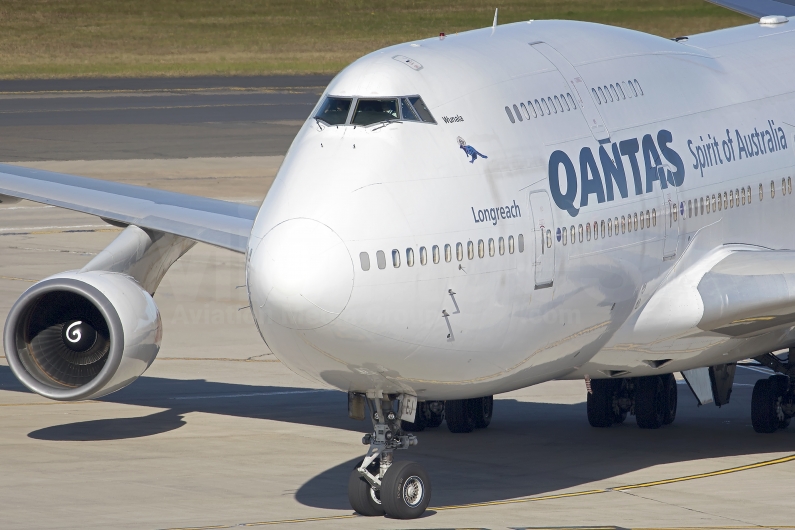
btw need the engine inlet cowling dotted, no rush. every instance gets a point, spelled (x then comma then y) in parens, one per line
(82, 335)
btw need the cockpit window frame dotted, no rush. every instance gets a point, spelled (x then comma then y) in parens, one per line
(355, 103)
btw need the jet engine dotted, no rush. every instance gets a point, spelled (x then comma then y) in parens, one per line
(82, 335)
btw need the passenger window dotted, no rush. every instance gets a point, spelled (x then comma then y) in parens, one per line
(540, 109)
(629, 223)
(525, 111)
(470, 250)
(380, 258)
(737, 197)
(620, 91)
(407, 111)
(639, 87)
(530, 104)
(573, 232)
(501, 245)
(564, 236)
(742, 195)
(749, 194)
(557, 102)
(549, 238)
(653, 217)
(714, 204)
(520, 241)
(518, 114)
(510, 244)
(675, 212)
(334, 111)
(613, 91)
(364, 259)
(588, 231)
(410, 257)
(707, 203)
(551, 104)
(626, 89)
(609, 95)
(510, 114)
(689, 209)
(609, 228)
(603, 229)
(421, 109)
(491, 247)
(369, 111)
(725, 201)
(602, 94)
(395, 258)
(448, 253)
(624, 224)
(481, 248)
(435, 254)
(789, 184)
(783, 186)
(580, 232)
(615, 225)
(596, 96)
(701, 204)
(761, 192)
(731, 198)
(423, 256)
(772, 190)
(459, 251)
(571, 100)
(635, 220)
(633, 88)
(563, 99)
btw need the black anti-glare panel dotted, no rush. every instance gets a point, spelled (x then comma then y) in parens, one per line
(759, 8)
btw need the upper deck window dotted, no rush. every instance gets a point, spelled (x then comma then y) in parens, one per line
(334, 111)
(369, 111)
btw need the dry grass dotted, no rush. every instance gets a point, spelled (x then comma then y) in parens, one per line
(66, 38)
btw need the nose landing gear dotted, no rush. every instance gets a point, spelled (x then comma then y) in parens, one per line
(378, 486)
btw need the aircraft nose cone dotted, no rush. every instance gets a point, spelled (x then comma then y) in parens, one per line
(300, 275)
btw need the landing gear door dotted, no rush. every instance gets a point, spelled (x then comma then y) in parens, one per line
(578, 88)
(543, 230)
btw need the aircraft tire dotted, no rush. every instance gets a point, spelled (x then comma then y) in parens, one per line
(364, 500)
(434, 419)
(764, 406)
(671, 398)
(650, 402)
(482, 408)
(459, 415)
(600, 404)
(405, 490)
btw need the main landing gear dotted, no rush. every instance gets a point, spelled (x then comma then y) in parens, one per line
(653, 401)
(379, 486)
(773, 399)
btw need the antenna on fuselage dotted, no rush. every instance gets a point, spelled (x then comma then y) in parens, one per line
(494, 25)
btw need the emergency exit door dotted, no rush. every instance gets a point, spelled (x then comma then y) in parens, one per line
(543, 235)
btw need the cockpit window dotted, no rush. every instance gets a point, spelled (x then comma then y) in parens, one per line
(422, 110)
(335, 111)
(369, 111)
(407, 111)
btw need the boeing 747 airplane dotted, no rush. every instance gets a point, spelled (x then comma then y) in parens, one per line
(471, 214)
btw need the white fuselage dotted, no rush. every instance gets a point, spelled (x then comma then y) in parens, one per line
(565, 303)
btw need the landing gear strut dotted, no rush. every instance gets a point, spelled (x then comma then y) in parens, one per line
(379, 486)
(652, 399)
(773, 400)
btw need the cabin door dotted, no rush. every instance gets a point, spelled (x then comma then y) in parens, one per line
(670, 218)
(543, 234)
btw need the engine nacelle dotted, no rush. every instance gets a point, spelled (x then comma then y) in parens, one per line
(82, 335)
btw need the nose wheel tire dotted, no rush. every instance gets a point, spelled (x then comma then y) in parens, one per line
(405, 490)
(363, 498)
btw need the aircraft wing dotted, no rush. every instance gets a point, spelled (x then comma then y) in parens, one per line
(749, 292)
(759, 8)
(220, 223)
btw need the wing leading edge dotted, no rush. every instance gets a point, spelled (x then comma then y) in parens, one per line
(219, 223)
(759, 8)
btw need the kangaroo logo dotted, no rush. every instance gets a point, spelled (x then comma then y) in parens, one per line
(469, 150)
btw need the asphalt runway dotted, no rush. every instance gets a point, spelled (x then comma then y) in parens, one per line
(218, 434)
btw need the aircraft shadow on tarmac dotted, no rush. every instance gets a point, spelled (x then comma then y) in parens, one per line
(529, 449)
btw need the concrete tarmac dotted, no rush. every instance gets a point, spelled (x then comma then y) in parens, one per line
(218, 434)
